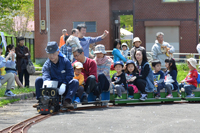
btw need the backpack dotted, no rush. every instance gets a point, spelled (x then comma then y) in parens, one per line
(198, 78)
(30, 67)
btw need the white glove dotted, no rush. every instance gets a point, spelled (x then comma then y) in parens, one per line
(62, 89)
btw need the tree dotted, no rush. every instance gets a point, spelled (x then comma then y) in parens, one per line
(126, 21)
(15, 20)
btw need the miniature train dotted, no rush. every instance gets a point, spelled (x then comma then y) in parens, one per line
(50, 101)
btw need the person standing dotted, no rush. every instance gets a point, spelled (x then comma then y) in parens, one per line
(63, 38)
(86, 41)
(162, 50)
(23, 54)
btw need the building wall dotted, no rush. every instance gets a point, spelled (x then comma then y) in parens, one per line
(62, 15)
(155, 10)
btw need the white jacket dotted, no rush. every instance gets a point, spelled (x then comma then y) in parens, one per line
(73, 42)
(157, 53)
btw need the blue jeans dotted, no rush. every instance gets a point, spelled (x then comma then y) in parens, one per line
(160, 87)
(188, 88)
(70, 90)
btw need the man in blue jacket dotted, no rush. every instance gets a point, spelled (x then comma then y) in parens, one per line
(86, 41)
(58, 68)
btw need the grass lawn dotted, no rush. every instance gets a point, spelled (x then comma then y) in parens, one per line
(5, 102)
(17, 91)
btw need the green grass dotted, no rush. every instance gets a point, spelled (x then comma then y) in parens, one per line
(17, 91)
(38, 65)
(5, 102)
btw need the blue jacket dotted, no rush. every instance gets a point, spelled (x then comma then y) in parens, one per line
(62, 71)
(117, 55)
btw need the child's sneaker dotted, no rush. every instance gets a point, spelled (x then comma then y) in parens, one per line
(9, 94)
(190, 96)
(77, 100)
(143, 97)
(169, 96)
(157, 96)
(118, 97)
(130, 97)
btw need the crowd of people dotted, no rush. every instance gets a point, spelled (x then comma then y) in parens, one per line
(76, 73)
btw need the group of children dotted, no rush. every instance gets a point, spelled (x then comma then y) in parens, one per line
(138, 75)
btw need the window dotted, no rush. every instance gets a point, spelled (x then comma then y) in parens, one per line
(169, 1)
(91, 25)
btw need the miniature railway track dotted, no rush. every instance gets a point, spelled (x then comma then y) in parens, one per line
(23, 126)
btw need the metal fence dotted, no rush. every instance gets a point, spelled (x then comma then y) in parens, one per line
(29, 42)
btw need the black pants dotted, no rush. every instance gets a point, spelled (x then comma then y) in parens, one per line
(130, 90)
(141, 84)
(92, 86)
(24, 72)
(80, 91)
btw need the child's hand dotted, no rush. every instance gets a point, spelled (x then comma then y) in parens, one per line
(113, 83)
(183, 81)
(133, 78)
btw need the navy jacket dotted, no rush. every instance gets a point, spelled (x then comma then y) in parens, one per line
(62, 71)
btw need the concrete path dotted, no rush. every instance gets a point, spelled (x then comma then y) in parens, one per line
(167, 118)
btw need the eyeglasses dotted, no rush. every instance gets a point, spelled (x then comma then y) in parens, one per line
(75, 56)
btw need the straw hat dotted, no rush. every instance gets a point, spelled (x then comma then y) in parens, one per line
(136, 39)
(193, 62)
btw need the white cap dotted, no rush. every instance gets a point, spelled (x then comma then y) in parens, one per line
(78, 65)
(124, 44)
(136, 39)
(193, 62)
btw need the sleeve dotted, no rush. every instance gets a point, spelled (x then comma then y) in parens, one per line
(61, 49)
(154, 52)
(10, 63)
(162, 77)
(81, 80)
(117, 53)
(18, 53)
(194, 77)
(93, 69)
(95, 39)
(2, 62)
(46, 71)
(77, 42)
(112, 79)
(69, 70)
(60, 41)
(132, 53)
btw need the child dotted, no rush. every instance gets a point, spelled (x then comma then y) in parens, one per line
(144, 80)
(12, 69)
(78, 66)
(136, 42)
(125, 50)
(119, 79)
(159, 77)
(9, 77)
(73, 40)
(130, 73)
(190, 82)
(170, 78)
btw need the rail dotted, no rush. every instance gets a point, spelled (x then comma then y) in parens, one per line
(179, 57)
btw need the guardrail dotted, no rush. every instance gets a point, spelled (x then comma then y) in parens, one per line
(179, 57)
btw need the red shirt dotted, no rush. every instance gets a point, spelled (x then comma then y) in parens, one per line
(191, 78)
(90, 68)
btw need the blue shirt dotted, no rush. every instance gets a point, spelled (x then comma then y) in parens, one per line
(117, 55)
(67, 51)
(159, 77)
(62, 71)
(86, 41)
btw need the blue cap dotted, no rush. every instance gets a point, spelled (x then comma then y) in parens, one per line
(52, 47)
(119, 63)
(130, 62)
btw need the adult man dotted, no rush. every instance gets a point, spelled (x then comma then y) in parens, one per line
(63, 38)
(58, 68)
(92, 83)
(161, 50)
(86, 41)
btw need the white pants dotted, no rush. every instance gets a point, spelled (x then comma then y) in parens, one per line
(10, 79)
